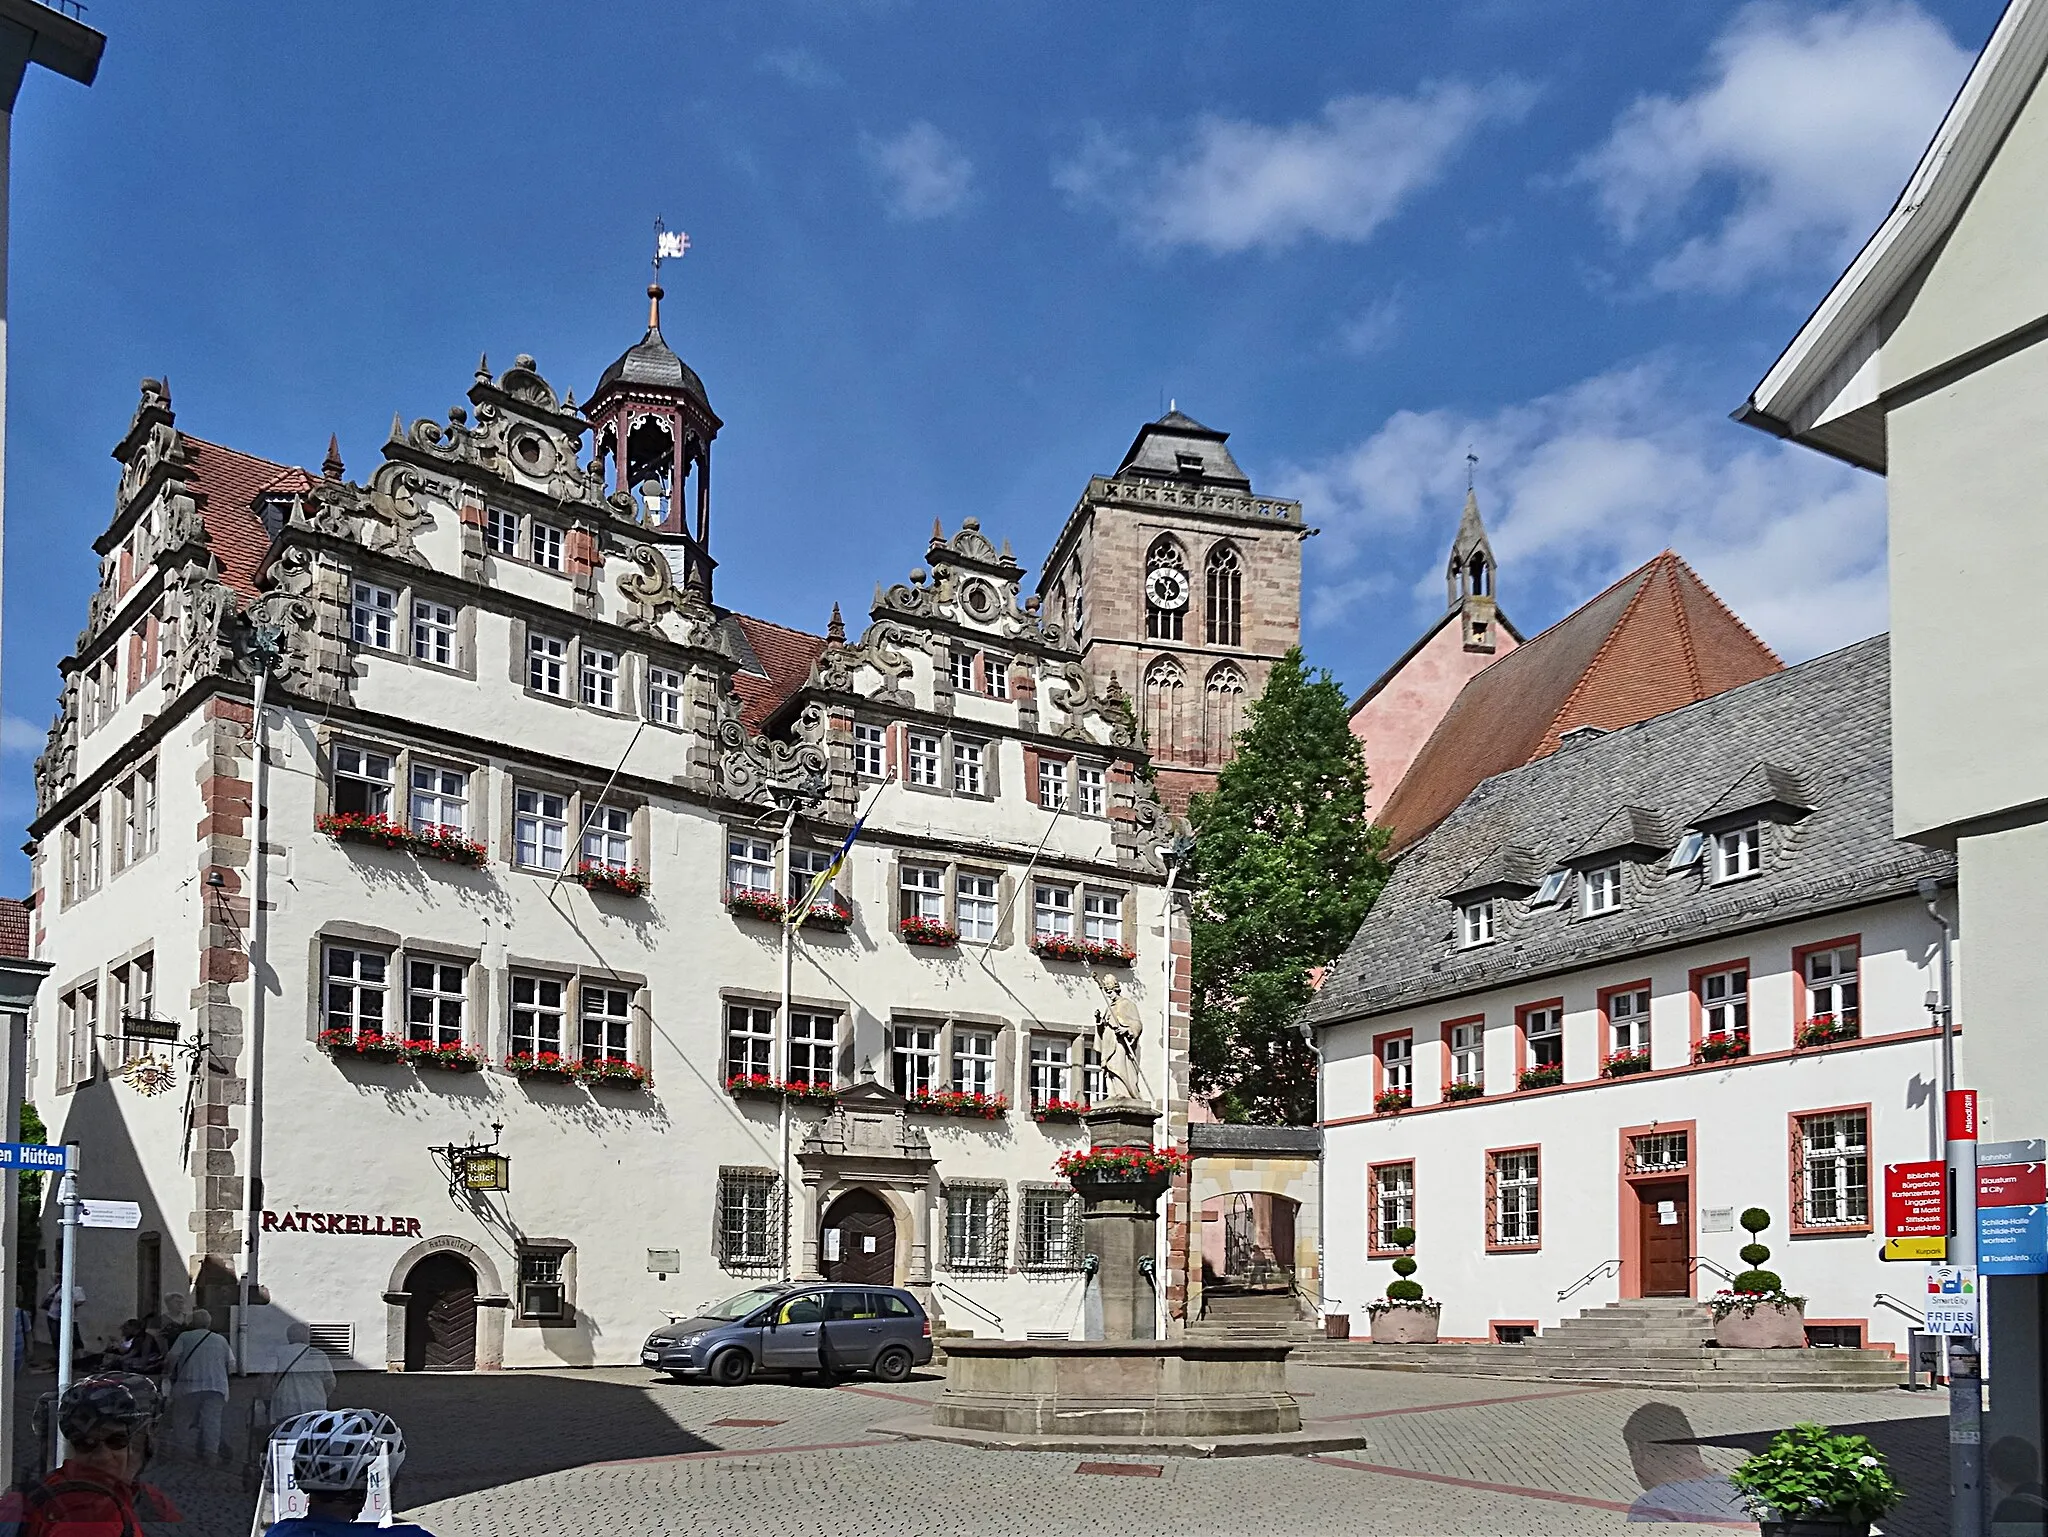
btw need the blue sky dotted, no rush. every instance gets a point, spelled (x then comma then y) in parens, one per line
(946, 258)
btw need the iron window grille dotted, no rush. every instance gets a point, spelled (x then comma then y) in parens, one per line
(1049, 1234)
(1393, 1203)
(1513, 1199)
(977, 1226)
(749, 1215)
(1659, 1152)
(1833, 1162)
(543, 1294)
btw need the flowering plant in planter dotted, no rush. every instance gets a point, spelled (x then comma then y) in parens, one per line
(1810, 1474)
(1059, 1110)
(745, 902)
(990, 1107)
(1059, 947)
(829, 912)
(363, 1043)
(454, 1057)
(754, 1083)
(1122, 1162)
(1722, 1048)
(765, 1087)
(540, 1064)
(1392, 1101)
(810, 1093)
(1622, 1063)
(1465, 1088)
(437, 842)
(1108, 952)
(1726, 1301)
(927, 931)
(613, 1071)
(622, 883)
(363, 827)
(1541, 1077)
(1824, 1028)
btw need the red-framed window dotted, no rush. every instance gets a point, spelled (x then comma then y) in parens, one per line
(1464, 1056)
(1514, 1199)
(1390, 1205)
(1830, 1165)
(1827, 996)
(1539, 1044)
(1624, 1023)
(1393, 1071)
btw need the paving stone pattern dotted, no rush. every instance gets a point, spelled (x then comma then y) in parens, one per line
(617, 1452)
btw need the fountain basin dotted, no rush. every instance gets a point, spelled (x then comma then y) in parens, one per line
(1117, 1388)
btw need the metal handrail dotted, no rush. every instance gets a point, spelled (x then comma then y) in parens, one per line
(1700, 1260)
(1887, 1300)
(1321, 1300)
(994, 1319)
(1606, 1267)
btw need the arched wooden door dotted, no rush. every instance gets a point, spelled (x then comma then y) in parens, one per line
(866, 1245)
(440, 1315)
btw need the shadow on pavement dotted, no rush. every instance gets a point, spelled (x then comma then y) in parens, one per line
(1916, 1449)
(466, 1433)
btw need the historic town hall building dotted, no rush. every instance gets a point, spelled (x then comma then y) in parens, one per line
(391, 828)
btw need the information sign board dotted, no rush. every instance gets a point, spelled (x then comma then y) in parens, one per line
(30, 1155)
(1951, 1299)
(1916, 1199)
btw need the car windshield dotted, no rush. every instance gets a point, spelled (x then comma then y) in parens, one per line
(741, 1305)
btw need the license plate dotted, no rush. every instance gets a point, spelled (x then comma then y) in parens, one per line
(650, 1355)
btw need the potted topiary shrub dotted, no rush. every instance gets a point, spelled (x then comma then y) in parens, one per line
(1757, 1313)
(1406, 1316)
(1810, 1482)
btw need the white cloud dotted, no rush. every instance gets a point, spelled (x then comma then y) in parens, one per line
(21, 737)
(1339, 176)
(1372, 328)
(1801, 137)
(799, 66)
(923, 175)
(1583, 485)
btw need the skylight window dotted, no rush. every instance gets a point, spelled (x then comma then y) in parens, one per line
(1551, 889)
(1687, 852)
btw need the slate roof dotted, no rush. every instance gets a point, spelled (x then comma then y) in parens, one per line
(1655, 640)
(1829, 719)
(1229, 1137)
(1179, 448)
(652, 362)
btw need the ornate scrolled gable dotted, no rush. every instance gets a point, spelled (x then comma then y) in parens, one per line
(1072, 693)
(753, 767)
(649, 585)
(515, 431)
(881, 648)
(975, 587)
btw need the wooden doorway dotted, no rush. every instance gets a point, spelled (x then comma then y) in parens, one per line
(440, 1315)
(1664, 1218)
(864, 1252)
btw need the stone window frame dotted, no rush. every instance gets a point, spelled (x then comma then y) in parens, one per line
(118, 996)
(581, 794)
(328, 736)
(645, 694)
(950, 867)
(732, 1178)
(881, 743)
(70, 1056)
(630, 702)
(475, 987)
(1073, 1261)
(1079, 1038)
(122, 802)
(996, 1258)
(778, 1028)
(989, 740)
(1036, 757)
(355, 936)
(573, 976)
(562, 1249)
(948, 1024)
(409, 585)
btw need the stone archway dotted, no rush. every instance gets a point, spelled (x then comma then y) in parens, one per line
(861, 1226)
(493, 1304)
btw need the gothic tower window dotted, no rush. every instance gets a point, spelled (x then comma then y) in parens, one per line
(1224, 594)
(1222, 711)
(1166, 590)
(1164, 687)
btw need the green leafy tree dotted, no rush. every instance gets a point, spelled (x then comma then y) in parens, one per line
(28, 1196)
(1286, 863)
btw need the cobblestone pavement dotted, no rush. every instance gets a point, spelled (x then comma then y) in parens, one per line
(618, 1452)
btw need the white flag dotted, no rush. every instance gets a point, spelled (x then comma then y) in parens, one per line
(670, 243)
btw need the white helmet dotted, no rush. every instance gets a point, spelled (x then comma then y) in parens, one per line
(338, 1446)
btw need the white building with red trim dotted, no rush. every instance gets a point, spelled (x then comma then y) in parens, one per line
(1628, 991)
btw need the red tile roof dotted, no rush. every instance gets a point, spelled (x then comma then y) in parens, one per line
(786, 656)
(14, 917)
(1657, 639)
(226, 483)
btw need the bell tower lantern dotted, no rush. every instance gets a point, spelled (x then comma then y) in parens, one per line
(652, 427)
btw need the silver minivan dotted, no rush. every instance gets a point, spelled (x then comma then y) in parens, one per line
(829, 1329)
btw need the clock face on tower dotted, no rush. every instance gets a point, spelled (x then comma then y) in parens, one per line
(1167, 587)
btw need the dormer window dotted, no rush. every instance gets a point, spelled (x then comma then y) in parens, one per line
(1475, 924)
(1601, 890)
(1187, 463)
(1548, 892)
(1738, 852)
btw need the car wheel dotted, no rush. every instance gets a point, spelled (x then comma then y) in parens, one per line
(893, 1365)
(729, 1368)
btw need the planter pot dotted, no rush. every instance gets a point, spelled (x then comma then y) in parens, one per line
(1767, 1326)
(1805, 1527)
(441, 1064)
(1405, 1324)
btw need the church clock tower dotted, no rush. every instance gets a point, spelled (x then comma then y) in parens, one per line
(1183, 587)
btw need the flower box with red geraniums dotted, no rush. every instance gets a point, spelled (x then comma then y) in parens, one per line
(1722, 1048)
(370, 1047)
(448, 843)
(829, 913)
(372, 827)
(612, 1072)
(1114, 1163)
(1393, 1101)
(541, 1064)
(1059, 947)
(744, 902)
(451, 1058)
(615, 882)
(1059, 1110)
(1108, 952)
(799, 1092)
(989, 1107)
(927, 931)
(1623, 1063)
(1456, 1093)
(761, 1086)
(1825, 1029)
(1540, 1077)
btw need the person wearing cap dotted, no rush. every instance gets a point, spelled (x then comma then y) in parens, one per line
(108, 1422)
(332, 1455)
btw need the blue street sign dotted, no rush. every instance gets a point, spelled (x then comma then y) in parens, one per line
(30, 1155)
(2012, 1240)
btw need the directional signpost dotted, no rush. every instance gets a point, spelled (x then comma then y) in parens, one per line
(30, 1155)
(1916, 1210)
(2012, 1208)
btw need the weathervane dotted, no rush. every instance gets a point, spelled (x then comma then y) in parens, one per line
(1471, 468)
(669, 245)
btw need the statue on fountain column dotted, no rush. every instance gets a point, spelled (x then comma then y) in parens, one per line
(1118, 1031)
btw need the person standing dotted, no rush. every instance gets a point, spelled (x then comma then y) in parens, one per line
(53, 1316)
(197, 1369)
(305, 1380)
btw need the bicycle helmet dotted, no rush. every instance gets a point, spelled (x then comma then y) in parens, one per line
(94, 1407)
(338, 1446)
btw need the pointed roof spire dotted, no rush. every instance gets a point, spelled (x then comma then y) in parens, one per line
(835, 630)
(332, 466)
(483, 368)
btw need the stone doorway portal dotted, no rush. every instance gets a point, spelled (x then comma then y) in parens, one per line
(440, 1315)
(1666, 1227)
(866, 1240)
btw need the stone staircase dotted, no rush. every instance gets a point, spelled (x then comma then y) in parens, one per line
(1650, 1342)
(1260, 1315)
